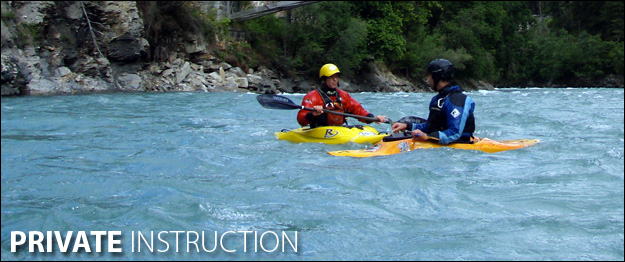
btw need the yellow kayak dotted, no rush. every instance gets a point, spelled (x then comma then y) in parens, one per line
(399, 146)
(332, 135)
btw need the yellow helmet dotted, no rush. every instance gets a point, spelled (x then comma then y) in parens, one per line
(328, 70)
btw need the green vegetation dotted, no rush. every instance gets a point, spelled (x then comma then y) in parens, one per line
(27, 34)
(508, 43)
(165, 22)
(8, 15)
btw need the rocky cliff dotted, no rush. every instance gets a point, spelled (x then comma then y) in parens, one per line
(62, 47)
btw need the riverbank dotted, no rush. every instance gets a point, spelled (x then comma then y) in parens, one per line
(51, 48)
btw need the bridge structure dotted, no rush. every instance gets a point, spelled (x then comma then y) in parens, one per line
(233, 9)
(267, 9)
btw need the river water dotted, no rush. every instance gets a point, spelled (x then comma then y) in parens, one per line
(146, 163)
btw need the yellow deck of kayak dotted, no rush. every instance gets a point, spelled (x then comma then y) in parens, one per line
(332, 135)
(394, 147)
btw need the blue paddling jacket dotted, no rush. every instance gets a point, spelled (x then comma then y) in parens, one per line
(451, 116)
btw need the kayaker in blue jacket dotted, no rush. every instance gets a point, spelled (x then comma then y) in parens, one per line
(451, 112)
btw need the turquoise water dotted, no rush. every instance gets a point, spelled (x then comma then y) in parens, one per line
(208, 162)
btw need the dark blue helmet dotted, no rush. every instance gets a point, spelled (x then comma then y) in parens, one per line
(441, 69)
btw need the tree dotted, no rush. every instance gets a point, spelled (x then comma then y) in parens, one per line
(501, 42)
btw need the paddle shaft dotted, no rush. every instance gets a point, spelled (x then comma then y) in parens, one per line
(372, 119)
(281, 102)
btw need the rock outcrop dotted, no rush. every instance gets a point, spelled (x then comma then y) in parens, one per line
(378, 78)
(58, 47)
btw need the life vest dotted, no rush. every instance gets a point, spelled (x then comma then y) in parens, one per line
(439, 113)
(342, 102)
(333, 105)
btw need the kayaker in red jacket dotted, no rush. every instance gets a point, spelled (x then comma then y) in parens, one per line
(330, 97)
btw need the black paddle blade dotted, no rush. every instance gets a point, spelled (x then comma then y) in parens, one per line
(276, 102)
(412, 119)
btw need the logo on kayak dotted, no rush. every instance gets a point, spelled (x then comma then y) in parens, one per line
(366, 133)
(403, 146)
(330, 133)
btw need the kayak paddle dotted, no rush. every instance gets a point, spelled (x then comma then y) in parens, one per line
(281, 102)
(402, 136)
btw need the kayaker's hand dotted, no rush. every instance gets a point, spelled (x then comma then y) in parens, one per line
(419, 135)
(319, 110)
(398, 127)
(381, 119)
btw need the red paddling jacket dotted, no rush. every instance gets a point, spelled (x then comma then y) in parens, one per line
(343, 103)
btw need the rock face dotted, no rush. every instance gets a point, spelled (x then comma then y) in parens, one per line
(58, 47)
(379, 79)
(10, 73)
